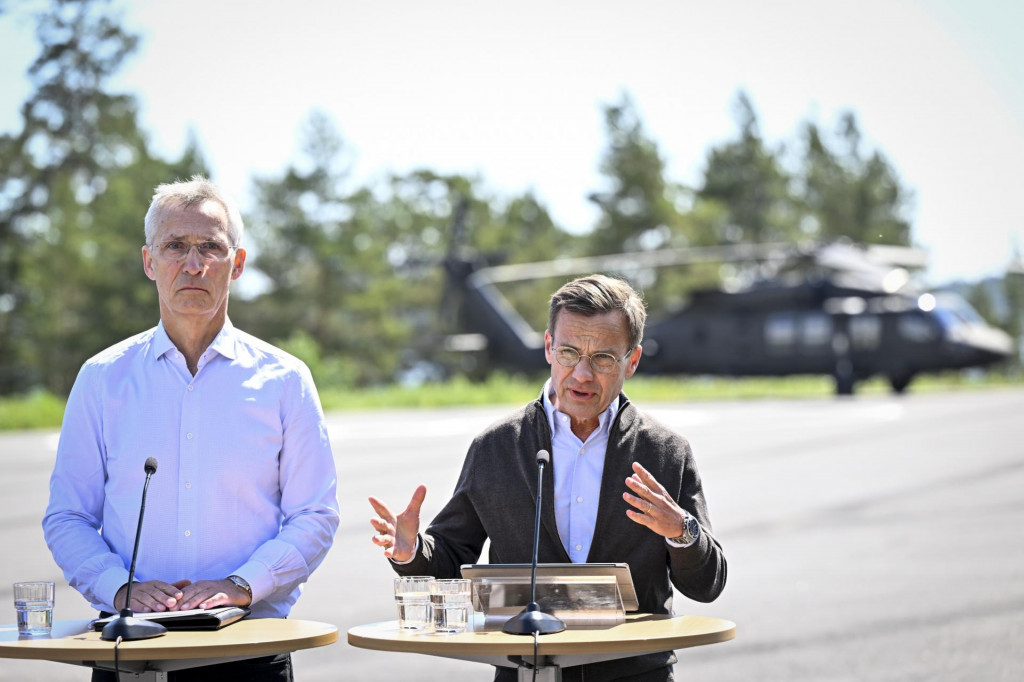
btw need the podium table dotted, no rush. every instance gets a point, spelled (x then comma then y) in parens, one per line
(72, 641)
(640, 634)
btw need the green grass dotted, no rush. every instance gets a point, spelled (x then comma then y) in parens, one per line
(41, 410)
(34, 411)
(458, 391)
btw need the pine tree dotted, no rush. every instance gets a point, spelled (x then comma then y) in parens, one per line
(78, 182)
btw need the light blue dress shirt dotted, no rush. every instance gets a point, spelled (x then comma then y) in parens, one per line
(578, 467)
(246, 483)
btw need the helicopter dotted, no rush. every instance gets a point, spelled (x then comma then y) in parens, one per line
(840, 309)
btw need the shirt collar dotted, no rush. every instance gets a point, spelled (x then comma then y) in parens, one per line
(162, 343)
(604, 421)
(223, 343)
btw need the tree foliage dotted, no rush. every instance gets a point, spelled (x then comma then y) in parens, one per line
(748, 180)
(355, 285)
(337, 261)
(350, 274)
(638, 210)
(848, 193)
(78, 179)
(1014, 291)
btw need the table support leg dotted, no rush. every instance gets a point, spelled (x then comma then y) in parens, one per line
(545, 673)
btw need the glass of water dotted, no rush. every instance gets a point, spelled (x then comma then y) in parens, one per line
(34, 603)
(412, 597)
(450, 600)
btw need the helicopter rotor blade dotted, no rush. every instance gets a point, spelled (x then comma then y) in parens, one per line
(640, 259)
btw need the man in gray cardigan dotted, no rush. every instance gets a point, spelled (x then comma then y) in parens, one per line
(624, 489)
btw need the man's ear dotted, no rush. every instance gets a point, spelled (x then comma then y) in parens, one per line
(238, 266)
(634, 361)
(147, 263)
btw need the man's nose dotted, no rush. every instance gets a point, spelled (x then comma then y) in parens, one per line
(193, 261)
(583, 369)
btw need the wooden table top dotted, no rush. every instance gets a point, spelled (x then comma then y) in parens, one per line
(641, 633)
(72, 640)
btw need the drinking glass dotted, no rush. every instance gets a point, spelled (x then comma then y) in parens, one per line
(412, 597)
(450, 601)
(33, 602)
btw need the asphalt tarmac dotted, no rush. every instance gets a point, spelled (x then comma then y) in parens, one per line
(872, 538)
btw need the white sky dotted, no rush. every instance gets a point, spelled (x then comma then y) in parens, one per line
(513, 92)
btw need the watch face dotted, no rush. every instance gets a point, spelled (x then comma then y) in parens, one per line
(692, 527)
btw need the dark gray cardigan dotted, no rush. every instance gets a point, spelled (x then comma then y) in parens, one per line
(495, 498)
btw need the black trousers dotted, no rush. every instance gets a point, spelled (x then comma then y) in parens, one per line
(577, 674)
(266, 669)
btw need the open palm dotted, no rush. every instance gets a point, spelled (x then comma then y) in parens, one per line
(397, 534)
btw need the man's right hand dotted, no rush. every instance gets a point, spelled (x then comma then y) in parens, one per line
(152, 595)
(397, 534)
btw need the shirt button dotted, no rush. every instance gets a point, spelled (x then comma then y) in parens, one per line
(582, 450)
(579, 547)
(188, 533)
(579, 499)
(190, 387)
(188, 435)
(188, 484)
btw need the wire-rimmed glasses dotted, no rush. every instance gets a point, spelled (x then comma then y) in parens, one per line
(599, 362)
(209, 250)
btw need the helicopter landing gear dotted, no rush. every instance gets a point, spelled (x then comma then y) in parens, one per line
(900, 382)
(844, 377)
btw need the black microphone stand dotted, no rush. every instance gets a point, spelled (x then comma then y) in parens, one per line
(532, 620)
(126, 626)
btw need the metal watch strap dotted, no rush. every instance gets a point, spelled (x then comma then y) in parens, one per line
(687, 537)
(240, 582)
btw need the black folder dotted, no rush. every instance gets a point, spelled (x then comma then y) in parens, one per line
(193, 619)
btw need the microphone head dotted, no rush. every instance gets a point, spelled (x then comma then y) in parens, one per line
(543, 457)
(151, 465)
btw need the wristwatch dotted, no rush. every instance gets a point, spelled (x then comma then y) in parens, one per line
(691, 531)
(240, 582)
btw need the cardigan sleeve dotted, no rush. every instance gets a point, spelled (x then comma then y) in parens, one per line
(698, 571)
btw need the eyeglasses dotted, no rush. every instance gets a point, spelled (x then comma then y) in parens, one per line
(210, 250)
(599, 362)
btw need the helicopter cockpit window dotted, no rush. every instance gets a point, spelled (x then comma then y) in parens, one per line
(865, 332)
(952, 310)
(816, 330)
(780, 332)
(916, 328)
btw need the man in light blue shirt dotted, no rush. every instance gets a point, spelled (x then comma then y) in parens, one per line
(244, 505)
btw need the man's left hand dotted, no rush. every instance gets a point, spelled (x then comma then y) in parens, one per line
(207, 594)
(657, 510)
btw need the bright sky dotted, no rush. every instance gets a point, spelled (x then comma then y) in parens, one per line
(512, 92)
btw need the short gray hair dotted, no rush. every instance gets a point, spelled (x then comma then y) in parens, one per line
(185, 193)
(599, 294)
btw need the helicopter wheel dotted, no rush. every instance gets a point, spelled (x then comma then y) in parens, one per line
(844, 377)
(900, 382)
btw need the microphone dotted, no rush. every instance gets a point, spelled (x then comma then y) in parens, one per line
(532, 620)
(126, 626)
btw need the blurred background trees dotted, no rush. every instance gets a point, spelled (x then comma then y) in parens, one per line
(74, 178)
(348, 277)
